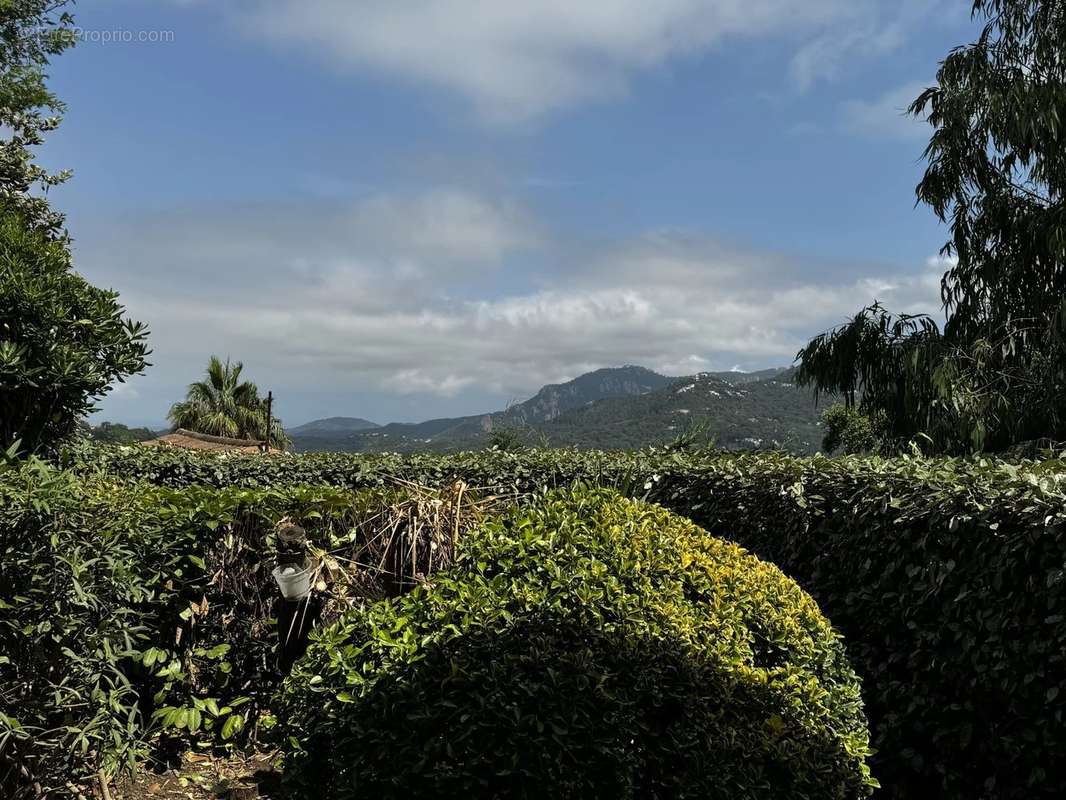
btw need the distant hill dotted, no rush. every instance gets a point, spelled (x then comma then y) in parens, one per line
(740, 412)
(334, 425)
(555, 400)
(458, 432)
(333, 433)
(117, 433)
(622, 407)
(737, 377)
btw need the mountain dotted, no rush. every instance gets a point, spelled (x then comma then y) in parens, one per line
(333, 433)
(736, 377)
(554, 400)
(618, 408)
(333, 425)
(739, 412)
(455, 432)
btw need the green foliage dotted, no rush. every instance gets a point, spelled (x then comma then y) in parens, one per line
(117, 433)
(584, 646)
(63, 342)
(137, 618)
(696, 436)
(31, 33)
(510, 437)
(997, 172)
(945, 575)
(67, 619)
(224, 405)
(946, 579)
(850, 431)
(996, 376)
(884, 366)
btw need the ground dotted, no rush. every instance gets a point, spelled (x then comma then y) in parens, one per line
(204, 777)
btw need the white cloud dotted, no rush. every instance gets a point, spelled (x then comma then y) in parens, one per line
(686, 365)
(515, 59)
(412, 381)
(867, 31)
(887, 115)
(941, 263)
(823, 57)
(314, 298)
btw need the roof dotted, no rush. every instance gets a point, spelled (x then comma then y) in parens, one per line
(192, 440)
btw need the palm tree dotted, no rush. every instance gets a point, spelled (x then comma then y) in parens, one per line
(224, 405)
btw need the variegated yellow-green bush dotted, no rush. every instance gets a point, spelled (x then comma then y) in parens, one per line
(583, 646)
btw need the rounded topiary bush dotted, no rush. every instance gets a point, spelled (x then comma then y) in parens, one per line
(584, 646)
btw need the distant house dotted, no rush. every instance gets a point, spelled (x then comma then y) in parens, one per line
(190, 440)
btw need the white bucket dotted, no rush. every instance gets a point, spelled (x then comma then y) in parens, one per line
(294, 581)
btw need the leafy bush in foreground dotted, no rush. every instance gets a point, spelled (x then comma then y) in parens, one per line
(135, 617)
(584, 646)
(946, 576)
(104, 618)
(948, 581)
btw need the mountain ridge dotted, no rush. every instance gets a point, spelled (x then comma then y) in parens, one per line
(546, 404)
(334, 424)
(611, 408)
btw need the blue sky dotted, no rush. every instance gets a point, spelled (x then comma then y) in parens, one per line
(400, 210)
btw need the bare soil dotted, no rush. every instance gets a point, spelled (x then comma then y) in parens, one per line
(204, 777)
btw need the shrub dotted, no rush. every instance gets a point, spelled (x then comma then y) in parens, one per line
(583, 646)
(850, 431)
(948, 580)
(137, 618)
(103, 618)
(946, 576)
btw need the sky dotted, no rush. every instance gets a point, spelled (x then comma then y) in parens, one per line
(405, 210)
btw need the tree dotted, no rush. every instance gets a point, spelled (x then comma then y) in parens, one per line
(224, 405)
(882, 366)
(850, 431)
(63, 342)
(31, 33)
(996, 375)
(117, 433)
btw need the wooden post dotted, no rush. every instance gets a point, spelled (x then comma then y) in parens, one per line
(270, 418)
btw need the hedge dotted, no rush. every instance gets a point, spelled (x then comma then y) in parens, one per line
(947, 580)
(946, 577)
(137, 619)
(584, 646)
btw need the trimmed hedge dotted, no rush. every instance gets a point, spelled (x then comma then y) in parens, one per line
(584, 646)
(948, 580)
(947, 577)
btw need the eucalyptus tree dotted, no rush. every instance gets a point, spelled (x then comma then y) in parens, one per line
(222, 404)
(995, 376)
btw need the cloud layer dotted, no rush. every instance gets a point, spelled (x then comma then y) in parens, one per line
(434, 293)
(887, 116)
(517, 60)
